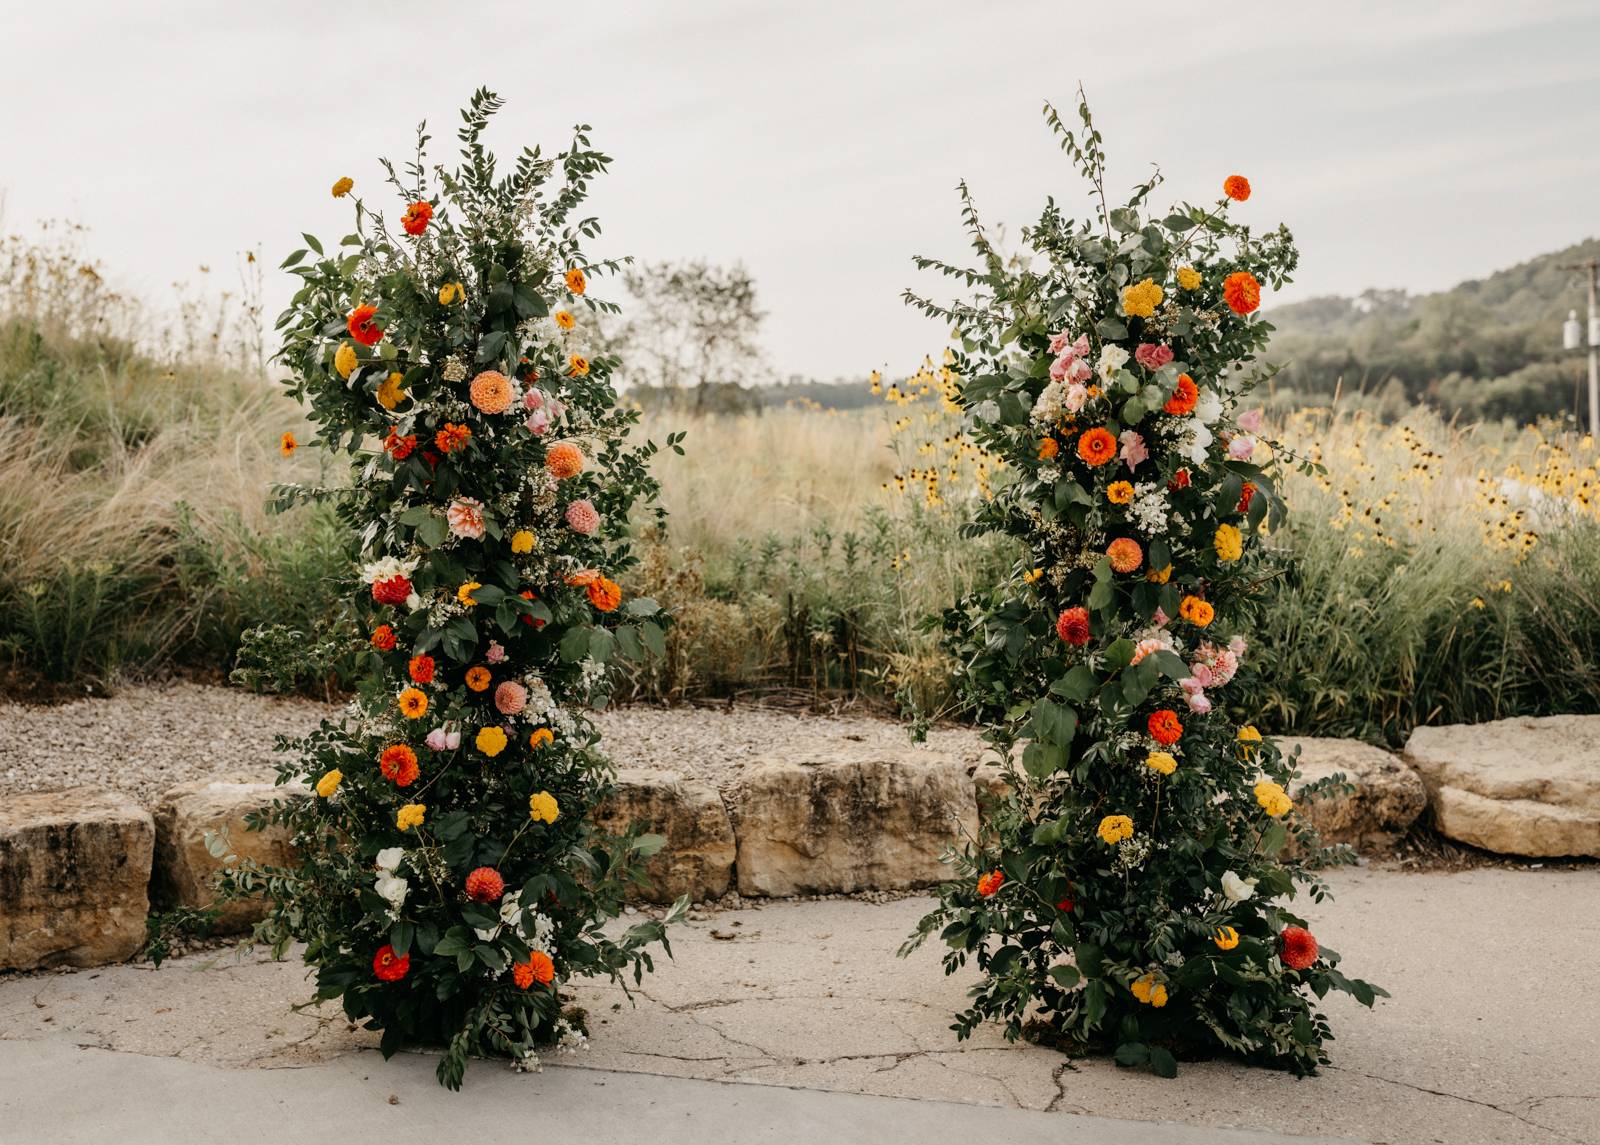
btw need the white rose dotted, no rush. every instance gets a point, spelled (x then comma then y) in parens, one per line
(1112, 359)
(389, 858)
(413, 602)
(1235, 889)
(1208, 409)
(1199, 445)
(392, 888)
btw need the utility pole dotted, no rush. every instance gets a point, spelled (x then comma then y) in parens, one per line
(1571, 340)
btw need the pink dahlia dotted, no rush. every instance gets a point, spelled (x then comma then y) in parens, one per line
(582, 518)
(510, 698)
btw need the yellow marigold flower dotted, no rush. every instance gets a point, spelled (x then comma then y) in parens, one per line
(522, 541)
(491, 741)
(329, 783)
(344, 360)
(1248, 738)
(542, 807)
(577, 366)
(1159, 576)
(1032, 576)
(390, 393)
(451, 292)
(343, 186)
(413, 704)
(1188, 278)
(1119, 492)
(1228, 542)
(411, 815)
(1115, 828)
(464, 593)
(1161, 761)
(1274, 799)
(1196, 611)
(1149, 991)
(565, 320)
(1226, 938)
(575, 281)
(540, 737)
(287, 444)
(1141, 299)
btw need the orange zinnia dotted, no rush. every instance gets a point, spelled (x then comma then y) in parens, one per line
(1125, 554)
(1164, 727)
(413, 704)
(361, 326)
(1236, 187)
(1183, 398)
(576, 282)
(287, 444)
(990, 883)
(604, 594)
(415, 220)
(383, 638)
(540, 737)
(1097, 446)
(1241, 292)
(1048, 448)
(399, 763)
(538, 968)
(478, 678)
(452, 437)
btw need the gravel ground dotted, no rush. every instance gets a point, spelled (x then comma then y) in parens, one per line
(147, 739)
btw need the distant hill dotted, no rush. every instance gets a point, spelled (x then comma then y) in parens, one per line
(1488, 348)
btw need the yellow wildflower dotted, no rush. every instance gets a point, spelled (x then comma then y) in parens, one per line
(565, 320)
(540, 737)
(1141, 299)
(1115, 828)
(542, 807)
(344, 360)
(491, 741)
(522, 541)
(329, 783)
(343, 186)
(410, 816)
(464, 593)
(1149, 991)
(389, 392)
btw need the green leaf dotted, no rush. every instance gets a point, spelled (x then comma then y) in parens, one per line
(1054, 723)
(601, 645)
(1170, 664)
(1110, 329)
(647, 845)
(400, 936)
(1120, 653)
(1077, 685)
(1162, 1062)
(431, 533)
(1132, 1054)
(1066, 976)
(575, 644)
(1041, 759)
(311, 241)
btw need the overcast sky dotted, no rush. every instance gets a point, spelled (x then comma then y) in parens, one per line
(1408, 145)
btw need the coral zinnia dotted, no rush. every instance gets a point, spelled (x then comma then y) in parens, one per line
(575, 281)
(510, 698)
(491, 392)
(1183, 398)
(391, 589)
(1241, 292)
(1073, 625)
(564, 460)
(484, 884)
(1298, 948)
(415, 220)
(538, 968)
(990, 883)
(1125, 554)
(421, 669)
(465, 517)
(1165, 727)
(361, 326)
(582, 518)
(1097, 446)
(399, 764)
(413, 704)
(452, 437)
(383, 638)
(389, 966)
(604, 594)
(1236, 187)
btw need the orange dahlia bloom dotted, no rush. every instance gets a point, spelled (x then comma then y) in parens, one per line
(478, 678)
(383, 638)
(1183, 398)
(1196, 611)
(988, 884)
(452, 437)
(361, 326)
(1097, 446)
(1236, 187)
(491, 392)
(399, 764)
(413, 704)
(399, 447)
(1241, 292)
(1048, 448)
(1125, 554)
(287, 444)
(1298, 948)
(415, 220)
(1072, 626)
(576, 282)
(604, 594)
(484, 884)
(538, 968)
(1165, 727)
(564, 460)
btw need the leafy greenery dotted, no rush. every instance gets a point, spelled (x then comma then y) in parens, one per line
(1102, 901)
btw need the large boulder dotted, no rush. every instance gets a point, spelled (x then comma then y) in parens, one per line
(698, 857)
(1517, 787)
(74, 878)
(848, 821)
(1385, 799)
(185, 868)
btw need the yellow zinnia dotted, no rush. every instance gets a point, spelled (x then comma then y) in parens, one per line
(411, 815)
(540, 737)
(329, 783)
(343, 186)
(1159, 576)
(1161, 761)
(1226, 938)
(542, 807)
(1115, 828)
(344, 360)
(1119, 492)
(1149, 991)
(491, 741)
(413, 704)
(451, 292)
(522, 541)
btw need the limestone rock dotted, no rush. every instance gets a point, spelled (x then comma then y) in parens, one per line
(698, 858)
(845, 821)
(1388, 795)
(1526, 786)
(184, 868)
(74, 877)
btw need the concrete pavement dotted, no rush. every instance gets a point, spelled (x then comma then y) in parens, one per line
(1492, 1035)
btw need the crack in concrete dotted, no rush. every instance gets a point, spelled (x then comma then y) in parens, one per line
(1511, 1113)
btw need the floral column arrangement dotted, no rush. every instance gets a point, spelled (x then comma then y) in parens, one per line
(1131, 894)
(452, 880)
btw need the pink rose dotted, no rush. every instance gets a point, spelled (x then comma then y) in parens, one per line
(532, 400)
(1241, 447)
(1133, 449)
(1074, 398)
(435, 739)
(510, 698)
(1058, 369)
(1161, 619)
(1199, 703)
(1151, 356)
(1079, 371)
(1202, 675)
(1237, 646)
(496, 652)
(1250, 420)
(582, 518)
(538, 422)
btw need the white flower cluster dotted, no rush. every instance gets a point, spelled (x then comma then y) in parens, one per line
(1150, 511)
